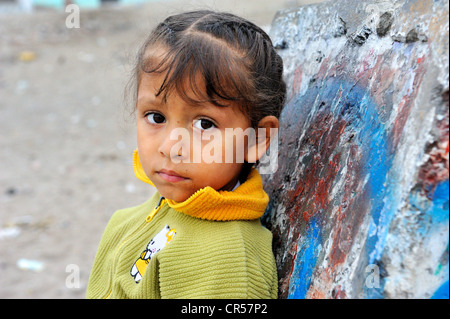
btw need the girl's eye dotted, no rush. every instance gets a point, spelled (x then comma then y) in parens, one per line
(204, 124)
(155, 118)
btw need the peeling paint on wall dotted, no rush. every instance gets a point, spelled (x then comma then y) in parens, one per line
(359, 203)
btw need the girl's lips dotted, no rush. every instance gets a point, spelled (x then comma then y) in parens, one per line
(170, 176)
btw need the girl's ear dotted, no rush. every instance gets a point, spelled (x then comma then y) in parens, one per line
(266, 132)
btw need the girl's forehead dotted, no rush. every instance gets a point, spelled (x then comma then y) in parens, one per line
(191, 89)
(150, 85)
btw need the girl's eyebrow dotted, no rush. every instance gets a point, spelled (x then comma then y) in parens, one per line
(148, 100)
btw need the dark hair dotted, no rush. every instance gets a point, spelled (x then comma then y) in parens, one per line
(235, 58)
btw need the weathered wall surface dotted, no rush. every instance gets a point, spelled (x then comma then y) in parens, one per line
(359, 203)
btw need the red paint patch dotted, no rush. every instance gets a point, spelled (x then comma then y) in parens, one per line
(349, 217)
(404, 108)
(436, 169)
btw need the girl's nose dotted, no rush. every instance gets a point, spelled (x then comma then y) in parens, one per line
(176, 145)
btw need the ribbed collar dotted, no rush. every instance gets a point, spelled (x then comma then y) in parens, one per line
(248, 201)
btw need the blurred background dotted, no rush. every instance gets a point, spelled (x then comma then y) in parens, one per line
(66, 136)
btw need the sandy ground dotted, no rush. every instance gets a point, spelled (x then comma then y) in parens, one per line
(66, 139)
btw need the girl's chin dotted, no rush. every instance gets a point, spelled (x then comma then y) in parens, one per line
(175, 196)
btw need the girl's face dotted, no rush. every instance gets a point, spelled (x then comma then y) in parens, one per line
(187, 161)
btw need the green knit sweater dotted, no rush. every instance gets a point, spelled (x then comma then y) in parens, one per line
(155, 251)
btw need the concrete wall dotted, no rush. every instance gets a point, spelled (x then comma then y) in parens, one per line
(359, 203)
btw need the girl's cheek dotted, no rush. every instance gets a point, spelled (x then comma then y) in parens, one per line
(218, 147)
(233, 150)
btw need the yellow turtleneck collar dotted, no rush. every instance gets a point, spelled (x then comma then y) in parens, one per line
(246, 202)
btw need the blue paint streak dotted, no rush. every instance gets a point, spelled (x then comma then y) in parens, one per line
(360, 112)
(435, 210)
(305, 262)
(439, 212)
(372, 139)
(439, 208)
(353, 104)
(374, 148)
(377, 165)
(442, 292)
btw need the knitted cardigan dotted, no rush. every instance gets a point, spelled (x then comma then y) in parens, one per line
(210, 246)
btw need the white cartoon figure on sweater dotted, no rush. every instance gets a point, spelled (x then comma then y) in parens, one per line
(158, 242)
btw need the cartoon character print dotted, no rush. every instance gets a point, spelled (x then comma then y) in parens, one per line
(157, 243)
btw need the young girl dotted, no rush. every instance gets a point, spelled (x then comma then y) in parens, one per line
(200, 235)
